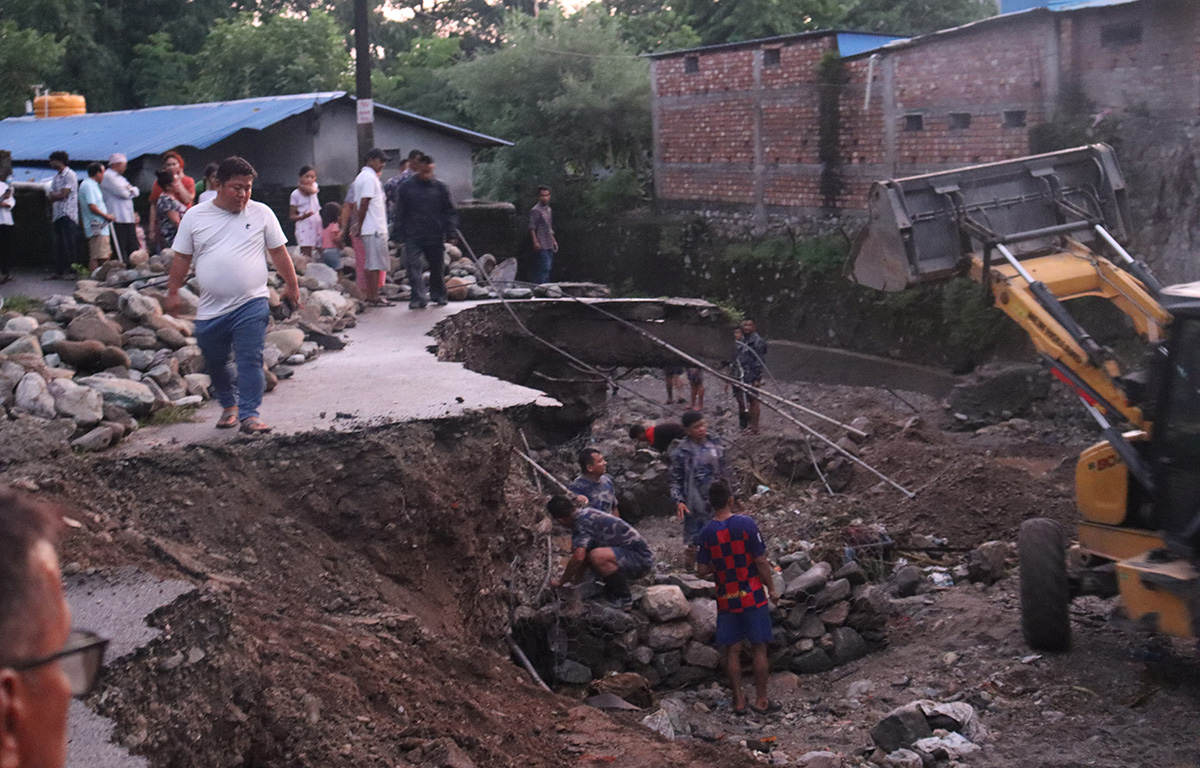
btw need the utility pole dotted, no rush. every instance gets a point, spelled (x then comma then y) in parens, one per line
(362, 78)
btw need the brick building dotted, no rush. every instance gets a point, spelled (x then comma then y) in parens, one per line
(775, 134)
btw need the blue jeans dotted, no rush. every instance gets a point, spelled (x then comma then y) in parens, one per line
(545, 260)
(66, 245)
(242, 331)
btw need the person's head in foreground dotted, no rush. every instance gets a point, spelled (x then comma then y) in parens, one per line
(43, 663)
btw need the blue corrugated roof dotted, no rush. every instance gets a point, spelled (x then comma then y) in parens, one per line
(1012, 6)
(35, 174)
(155, 130)
(852, 43)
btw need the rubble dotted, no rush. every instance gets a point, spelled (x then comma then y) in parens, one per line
(110, 345)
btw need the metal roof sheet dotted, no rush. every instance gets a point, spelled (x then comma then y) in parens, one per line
(149, 131)
(154, 130)
(34, 174)
(1012, 6)
(855, 39)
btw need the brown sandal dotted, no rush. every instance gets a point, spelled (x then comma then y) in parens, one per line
(254, 426)
(229, 419)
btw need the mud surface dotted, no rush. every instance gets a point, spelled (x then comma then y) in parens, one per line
(352, 592)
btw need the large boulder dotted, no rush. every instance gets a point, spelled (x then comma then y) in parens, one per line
(82, 404)
(326, 277)
(810, 583)
(999, 391)
(190, 359)
(331, 303)
(665, 637)
(833, 592)
(96, 440)
(702, 615)
(33, 397)
(89, 356)
(94, 326)
(137, 307)
(288, 340)
(701, 655)
(665, 602)
(21, 324)
(987, 563)
(848, 645)
(136, 398)
(25, 345)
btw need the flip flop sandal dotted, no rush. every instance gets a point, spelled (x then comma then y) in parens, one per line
(228, 420)
(741, 712)
(254, 426)
(771, 708)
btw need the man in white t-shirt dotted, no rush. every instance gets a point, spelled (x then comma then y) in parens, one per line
(118, 199)
(370, 225)
(227, 238)
(7, 202)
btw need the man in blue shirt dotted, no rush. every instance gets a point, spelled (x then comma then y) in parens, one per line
(607, 545)
(96, 218)
(749, 366)
(732, 551)
(698, 460)
(594, 488)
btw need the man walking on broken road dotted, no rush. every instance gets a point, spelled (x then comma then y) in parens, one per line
(228, 237)
(607, 545)
(427, 219)
(43, 663)
(732, 550)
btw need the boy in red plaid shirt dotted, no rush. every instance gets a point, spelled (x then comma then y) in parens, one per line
(731, 548)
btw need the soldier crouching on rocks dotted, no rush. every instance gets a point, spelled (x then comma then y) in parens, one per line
(732, 550)
(608, 545)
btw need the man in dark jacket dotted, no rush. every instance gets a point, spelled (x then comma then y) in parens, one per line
(426, 219)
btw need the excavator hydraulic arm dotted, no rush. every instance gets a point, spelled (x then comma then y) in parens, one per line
(1034, 232)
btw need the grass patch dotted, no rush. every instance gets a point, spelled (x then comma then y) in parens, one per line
(172, 414)
(20, 303)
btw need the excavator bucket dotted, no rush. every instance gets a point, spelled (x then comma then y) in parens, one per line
(924, 228)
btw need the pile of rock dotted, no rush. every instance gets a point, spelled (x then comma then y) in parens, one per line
(100, 359)
(923, 732)
(824, 618)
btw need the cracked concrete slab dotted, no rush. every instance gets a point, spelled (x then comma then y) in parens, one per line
(114, 605)
(386, 373)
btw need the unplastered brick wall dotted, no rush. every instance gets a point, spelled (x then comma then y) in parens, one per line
(1140, 56)
(969, 96)
(718, 126)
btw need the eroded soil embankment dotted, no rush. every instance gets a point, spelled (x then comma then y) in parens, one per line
(353, 590)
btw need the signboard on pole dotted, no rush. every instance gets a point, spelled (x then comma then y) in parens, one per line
(366, 111)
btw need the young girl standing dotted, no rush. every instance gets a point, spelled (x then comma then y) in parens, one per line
(305, 210)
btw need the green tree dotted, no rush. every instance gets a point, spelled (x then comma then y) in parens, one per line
(244, 57)
(99, 39)
(914, 17)
(575, 100)
(26, 59)
(725, 21)
(161, 74)
(415, 79)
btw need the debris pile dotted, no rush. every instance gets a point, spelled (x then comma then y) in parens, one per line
(923, 732)
(825, 618)
(96, 362)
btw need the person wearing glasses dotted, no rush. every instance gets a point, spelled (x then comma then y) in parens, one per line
(43, 662)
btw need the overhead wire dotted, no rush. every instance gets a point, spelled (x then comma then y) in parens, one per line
(764, 395)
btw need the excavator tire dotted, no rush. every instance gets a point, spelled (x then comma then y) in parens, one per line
(1045, 591)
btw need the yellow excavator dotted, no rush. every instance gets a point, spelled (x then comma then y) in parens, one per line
(1037, 233)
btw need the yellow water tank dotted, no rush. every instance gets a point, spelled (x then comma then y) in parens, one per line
(59, 104)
